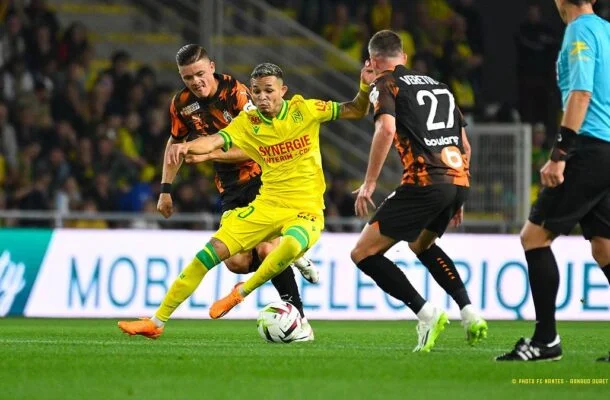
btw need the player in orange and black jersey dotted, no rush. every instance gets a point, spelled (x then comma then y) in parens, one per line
(207, 104)
(419, 115)
(194, 116)
(428, 127)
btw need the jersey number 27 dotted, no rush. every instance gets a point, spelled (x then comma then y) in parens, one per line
(449, 121)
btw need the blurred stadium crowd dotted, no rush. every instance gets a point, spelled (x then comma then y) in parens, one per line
(73, 137)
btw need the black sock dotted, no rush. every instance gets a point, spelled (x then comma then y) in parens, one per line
(544, 281)
(606, 271)
(286, 286)
(392, 280)
(256, 261)
(443, 271)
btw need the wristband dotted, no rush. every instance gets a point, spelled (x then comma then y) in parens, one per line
(365, 87)
(558, 155)
(166, 188)
(563, 143)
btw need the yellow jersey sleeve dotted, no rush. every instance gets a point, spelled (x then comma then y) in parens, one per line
(236, 132)
(323, 111)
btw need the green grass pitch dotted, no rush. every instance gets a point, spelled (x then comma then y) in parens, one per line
(91, 359)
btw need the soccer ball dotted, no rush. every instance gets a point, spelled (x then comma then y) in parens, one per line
(279, 322)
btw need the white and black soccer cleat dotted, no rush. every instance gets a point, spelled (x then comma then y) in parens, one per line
(527, 350)
(308, 269)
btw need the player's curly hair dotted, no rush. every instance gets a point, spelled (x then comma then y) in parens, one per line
(267, 69)
(191, 53)
(385, 43)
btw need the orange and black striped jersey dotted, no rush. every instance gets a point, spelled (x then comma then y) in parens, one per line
(428, 126)
(192, 117)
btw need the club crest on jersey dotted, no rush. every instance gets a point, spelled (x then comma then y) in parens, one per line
(228, 117)
(191, 108)
(297, 116)
(254, 120)
(198, 123)
(256, 128)
(374, 95)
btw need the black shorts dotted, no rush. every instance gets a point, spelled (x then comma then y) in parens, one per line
(242, 196)
(410, 209)
(584, 195)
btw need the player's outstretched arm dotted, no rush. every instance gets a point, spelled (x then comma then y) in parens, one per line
(359, 106)
(165, 204)
(233, 156)
(202, 145)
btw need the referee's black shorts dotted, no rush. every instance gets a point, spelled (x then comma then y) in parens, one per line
(410, 209)
(584, 195)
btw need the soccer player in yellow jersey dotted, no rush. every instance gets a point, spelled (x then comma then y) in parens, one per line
(283, 138)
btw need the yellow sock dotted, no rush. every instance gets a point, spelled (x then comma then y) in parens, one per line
(277, 261)
(187, 282)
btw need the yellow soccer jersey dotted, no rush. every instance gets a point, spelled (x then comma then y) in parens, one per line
(288, 150)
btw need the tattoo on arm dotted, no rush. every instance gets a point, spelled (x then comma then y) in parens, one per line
(355, 109)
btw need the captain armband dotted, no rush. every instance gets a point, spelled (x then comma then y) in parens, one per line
(365, 87)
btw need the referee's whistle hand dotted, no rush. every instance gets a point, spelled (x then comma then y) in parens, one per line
(551, 174)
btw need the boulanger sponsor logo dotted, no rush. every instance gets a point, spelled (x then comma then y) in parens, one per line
(12, 281)
(441, 141)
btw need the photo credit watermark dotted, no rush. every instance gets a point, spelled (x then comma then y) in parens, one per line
(559, 381)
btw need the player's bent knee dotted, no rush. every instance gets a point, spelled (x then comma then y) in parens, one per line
(600, 250)
(417, 248)
(424, 241)
(221, 249)
(359, 253)
(297, 239)
(264, 249)
(534, 236)
(238, 264)
(355, 255)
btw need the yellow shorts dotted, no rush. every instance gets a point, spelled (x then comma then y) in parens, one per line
(243, 228)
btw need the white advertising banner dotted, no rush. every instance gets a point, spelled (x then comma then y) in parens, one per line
(125, 273)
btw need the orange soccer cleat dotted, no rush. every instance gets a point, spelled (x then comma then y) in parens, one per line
(224, 305)
(144, 327)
